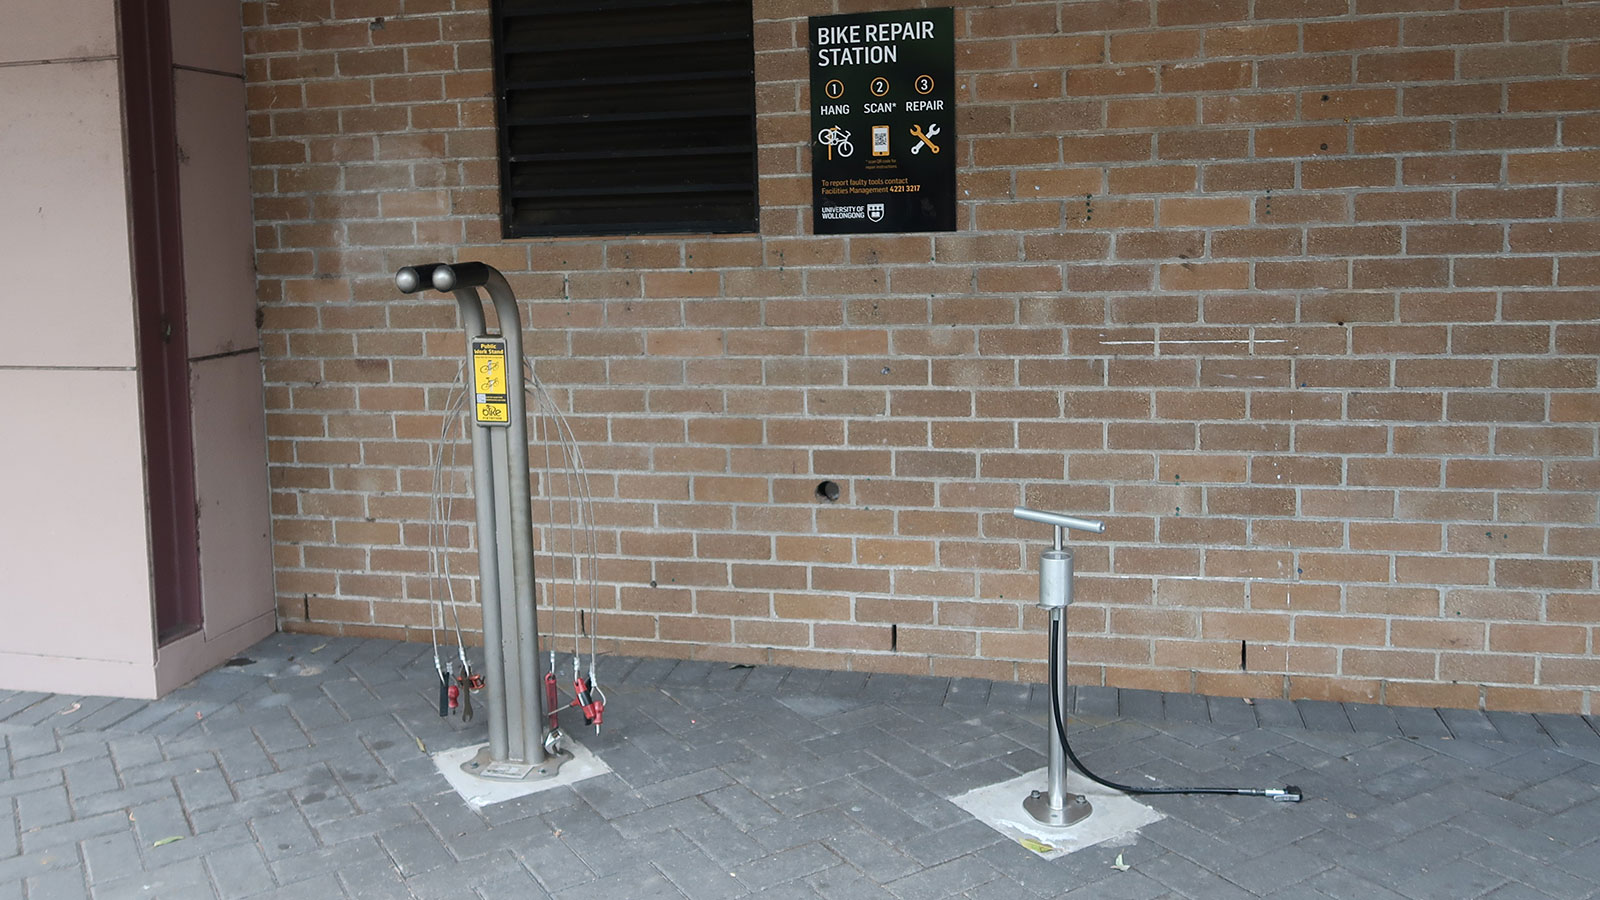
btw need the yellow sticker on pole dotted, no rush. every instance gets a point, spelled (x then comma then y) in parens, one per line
(489, 381)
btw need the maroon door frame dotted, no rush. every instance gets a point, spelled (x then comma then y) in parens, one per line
(160, 321)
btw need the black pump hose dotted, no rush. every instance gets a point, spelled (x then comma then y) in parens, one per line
(1287, 794)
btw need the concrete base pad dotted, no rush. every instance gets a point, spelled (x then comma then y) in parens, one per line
(1116, 815)
(481, 792)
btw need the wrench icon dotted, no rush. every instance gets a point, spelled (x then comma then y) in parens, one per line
(916, 132)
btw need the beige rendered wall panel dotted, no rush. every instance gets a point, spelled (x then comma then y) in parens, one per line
(64, 227)
(214, 194)
(206, 35)
(230, 451)
(77, 570)
(58, 29)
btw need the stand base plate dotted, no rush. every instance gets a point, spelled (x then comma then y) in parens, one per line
(481, 765)
(1074, 810)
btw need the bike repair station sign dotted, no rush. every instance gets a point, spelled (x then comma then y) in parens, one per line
(883, 122)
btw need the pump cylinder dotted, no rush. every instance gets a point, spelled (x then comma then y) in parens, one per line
(1055, 579)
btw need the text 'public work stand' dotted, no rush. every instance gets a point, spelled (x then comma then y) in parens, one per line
(1054, 806)
(519, 747)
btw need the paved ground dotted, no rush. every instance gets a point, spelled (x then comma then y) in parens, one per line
(303, 775)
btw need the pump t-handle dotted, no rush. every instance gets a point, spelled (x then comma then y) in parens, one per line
(1059, 520)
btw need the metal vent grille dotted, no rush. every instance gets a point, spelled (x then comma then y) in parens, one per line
(625, 116)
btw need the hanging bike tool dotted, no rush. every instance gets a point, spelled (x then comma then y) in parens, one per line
(517, 748)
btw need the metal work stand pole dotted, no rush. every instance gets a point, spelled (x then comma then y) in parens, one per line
(1054, 806)
(518, 740)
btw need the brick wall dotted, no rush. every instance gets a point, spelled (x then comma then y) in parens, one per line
(1299, 295)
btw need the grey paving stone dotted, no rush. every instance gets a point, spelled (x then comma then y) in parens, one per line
(1185, 708)
(132, 751)
(1230, 713)
(239, 871)
(68, 833)
(1094, 700)
(648, 671)
(1540, 875)
(42, 808)
(837, 883)
(1469, 724)
(696, 875)
(553, 864)
(319, 887)
(1518, 728)
(520, 885)
(946, 844)
(1461, 880)
(1372, 718)
(688, 672)
(183, 880)
(945, 879)
(1271, 872)
(14, 702)
(365, 824)
(1010, 695)
(1323, 715)
(111, 856)
(61, 884)
(204, 789)
(967, 692)
(65, 757)
(1419, 722)
(1274, 713)
(924, 691)
(723, 842)
(802, 681)
(785, 865)
(1569, 731)
(1145, 706)
(645, 884)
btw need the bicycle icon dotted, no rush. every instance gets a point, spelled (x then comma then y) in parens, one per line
(836, 138)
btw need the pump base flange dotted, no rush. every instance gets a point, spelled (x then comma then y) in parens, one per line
(1074, 810)
(483, 766)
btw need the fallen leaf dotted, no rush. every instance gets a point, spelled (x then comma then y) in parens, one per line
(197, 715)
(168, 840)
(1119, 865)
(70, 710)
(1036, 846)
(318, 647)
(420, 747)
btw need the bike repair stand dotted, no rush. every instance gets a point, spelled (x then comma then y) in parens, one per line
(1054, 807)
(520, 748)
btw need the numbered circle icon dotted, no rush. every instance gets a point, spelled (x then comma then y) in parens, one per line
(834, 89)
(923, 84)
(880, 86)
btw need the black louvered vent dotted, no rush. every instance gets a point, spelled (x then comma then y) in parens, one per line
(625, 116)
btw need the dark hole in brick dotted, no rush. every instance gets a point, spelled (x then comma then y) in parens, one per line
(828, 490)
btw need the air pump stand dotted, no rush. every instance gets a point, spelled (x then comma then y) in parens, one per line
(1055, 807)
(519, 749)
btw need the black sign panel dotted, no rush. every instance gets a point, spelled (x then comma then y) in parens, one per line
(883, 122)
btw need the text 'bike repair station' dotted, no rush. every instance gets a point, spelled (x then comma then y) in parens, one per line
(883, 115)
